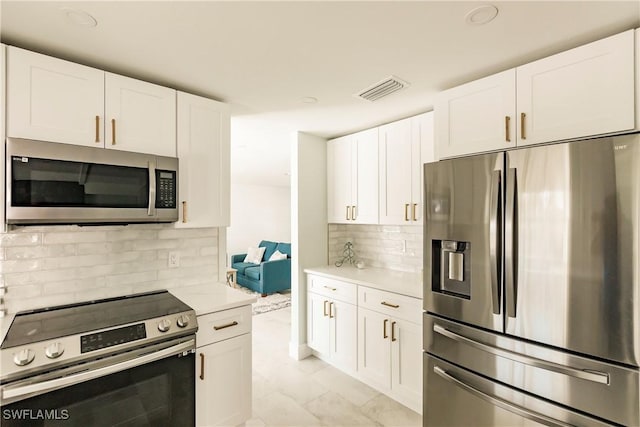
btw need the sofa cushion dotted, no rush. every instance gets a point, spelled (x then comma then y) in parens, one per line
(270, 248)
(242, 266)
(253, 272)
(285, 248)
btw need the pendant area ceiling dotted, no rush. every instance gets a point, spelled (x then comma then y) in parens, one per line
(266, 58)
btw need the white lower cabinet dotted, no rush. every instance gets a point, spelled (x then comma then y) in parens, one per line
(223, 368)
(331, 331)
(390, 356)
(371, 334)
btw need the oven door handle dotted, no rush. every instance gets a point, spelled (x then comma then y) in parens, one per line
(50, 385)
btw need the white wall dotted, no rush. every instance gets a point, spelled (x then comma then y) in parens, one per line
(309, 235)
(258, 212)
(43, 266)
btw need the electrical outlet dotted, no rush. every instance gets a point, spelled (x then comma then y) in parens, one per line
(174, 260)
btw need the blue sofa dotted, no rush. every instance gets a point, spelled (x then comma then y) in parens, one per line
(269, 276)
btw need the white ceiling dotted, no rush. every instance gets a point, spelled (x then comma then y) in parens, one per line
(264, 57)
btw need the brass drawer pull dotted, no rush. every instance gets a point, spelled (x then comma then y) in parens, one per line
(228, 325)
(184, 211)
(331, 315)
(330, 288)
(393, 331)
(202, 366)
(348, 213)
(523, 116)
(113, 131)
(384, 329)
(415, 217)
(406, 211)
(388, 304)
(324, 309)
(354, 213)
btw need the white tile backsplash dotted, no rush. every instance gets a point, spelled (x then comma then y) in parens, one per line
(396, 247)
(50, 265)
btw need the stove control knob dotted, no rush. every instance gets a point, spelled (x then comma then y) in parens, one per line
(54, 350)
(164, 325)
(24, 357)
(183, 321)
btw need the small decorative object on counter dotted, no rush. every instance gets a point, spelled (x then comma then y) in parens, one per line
(348, 254)
(360, 264)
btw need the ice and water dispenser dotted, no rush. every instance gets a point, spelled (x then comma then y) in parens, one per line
(451, 268)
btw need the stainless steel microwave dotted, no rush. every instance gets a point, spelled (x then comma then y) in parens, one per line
(50, 183)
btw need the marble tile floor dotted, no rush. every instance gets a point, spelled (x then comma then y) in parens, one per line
(310, 392)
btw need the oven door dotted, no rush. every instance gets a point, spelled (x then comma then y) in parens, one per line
(153, 389)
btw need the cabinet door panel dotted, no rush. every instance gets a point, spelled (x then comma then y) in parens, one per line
(395, 173)
(223, 395)
(343, 335)
(471, 118)
(203, 150)
(422, 151)
(406, 356)
(339, 170)
(318, 323)
(365, 193)
(144, 114)
(584, 91)
(54, 100)
(374, 350)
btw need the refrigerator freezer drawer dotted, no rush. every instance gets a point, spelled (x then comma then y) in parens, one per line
(456, 397)
(605, 390)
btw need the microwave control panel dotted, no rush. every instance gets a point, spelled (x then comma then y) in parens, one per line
(165, 189)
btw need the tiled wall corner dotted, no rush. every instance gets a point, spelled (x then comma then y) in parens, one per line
(395, 247)
(50, 265)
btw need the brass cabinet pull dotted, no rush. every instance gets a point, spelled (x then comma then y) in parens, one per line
(184, 211)
(388, 304)
(522, 118)
(228, 325)
(507, 122)
(324, 308)
(406, 211)
(393, 331)
(354, 213)
(415, 217)
(331, 315)
(202, 366)
(329, 287)
(348, 213)
(113, 131)
(384, 329)
(97, 128)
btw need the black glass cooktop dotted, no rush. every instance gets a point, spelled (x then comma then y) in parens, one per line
(54, 322)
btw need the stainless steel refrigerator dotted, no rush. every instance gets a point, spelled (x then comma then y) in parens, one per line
(532, 296)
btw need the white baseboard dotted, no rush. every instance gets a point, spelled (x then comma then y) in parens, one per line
(299, 352)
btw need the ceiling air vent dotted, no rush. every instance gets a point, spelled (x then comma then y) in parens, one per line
(382, 88)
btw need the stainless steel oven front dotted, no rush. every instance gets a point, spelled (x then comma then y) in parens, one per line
(137, 373)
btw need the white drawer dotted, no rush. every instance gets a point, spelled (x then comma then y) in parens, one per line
(336, 289)
(222, 325)
(396, 305)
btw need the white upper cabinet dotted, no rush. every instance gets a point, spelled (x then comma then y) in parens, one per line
(404, 147)
(477, 116)
(204, 158)
(53, 100)
(585, 91)
(140, 116)
(582, 92)
(50, 99)
(352, 178)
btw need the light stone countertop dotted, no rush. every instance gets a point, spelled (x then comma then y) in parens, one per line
(212, 297)
(399, 282)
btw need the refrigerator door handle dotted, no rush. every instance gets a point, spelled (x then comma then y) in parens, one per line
(509, 406)
(590, 375)
(511, 241)
(495, 238)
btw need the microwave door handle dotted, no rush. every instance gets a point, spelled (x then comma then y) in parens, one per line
(151, 209)
(495, 238)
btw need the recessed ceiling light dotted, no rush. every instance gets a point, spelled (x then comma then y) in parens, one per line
(481, 15)
(79, 17)
(309, 100)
